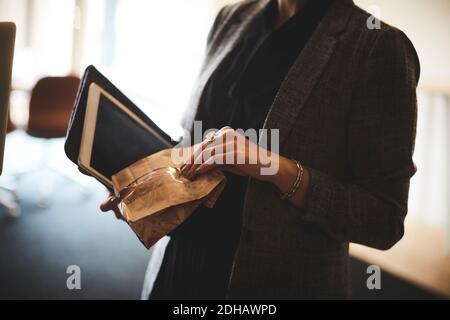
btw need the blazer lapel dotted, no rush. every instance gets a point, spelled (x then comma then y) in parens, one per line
(304, 74)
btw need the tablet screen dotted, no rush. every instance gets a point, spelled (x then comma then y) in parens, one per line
(114, 138)
(119, 141)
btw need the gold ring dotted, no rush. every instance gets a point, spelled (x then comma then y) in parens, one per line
(182, 167)
(211, 137)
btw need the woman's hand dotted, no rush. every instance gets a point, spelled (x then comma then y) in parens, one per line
(111, 203)
(230, 151)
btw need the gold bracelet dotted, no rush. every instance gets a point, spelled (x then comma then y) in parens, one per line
(297, 183)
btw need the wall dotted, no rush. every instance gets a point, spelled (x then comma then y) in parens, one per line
(427, 25)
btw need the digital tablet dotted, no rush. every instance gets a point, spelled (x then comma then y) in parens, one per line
(114, 137)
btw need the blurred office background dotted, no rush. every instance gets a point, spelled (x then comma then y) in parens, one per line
(153, 51)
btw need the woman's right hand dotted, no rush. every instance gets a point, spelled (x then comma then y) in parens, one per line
(111, 203)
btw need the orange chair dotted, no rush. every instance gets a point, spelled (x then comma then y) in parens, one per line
(51, 104)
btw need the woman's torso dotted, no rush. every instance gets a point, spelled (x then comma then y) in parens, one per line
(199, 257)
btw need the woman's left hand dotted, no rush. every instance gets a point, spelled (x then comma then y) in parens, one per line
(230, 151)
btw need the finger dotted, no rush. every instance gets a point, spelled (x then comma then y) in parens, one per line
(225, 130)
(215, 165)
(209, 156)
(222, 155)
(110, 204)
(118, 214)
(218, 139)
(196, 149)
(196, 159)
(206, 154)
(207, 167)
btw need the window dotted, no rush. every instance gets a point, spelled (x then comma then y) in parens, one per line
(152, 50)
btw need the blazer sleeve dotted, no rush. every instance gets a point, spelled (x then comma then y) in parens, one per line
(369, 208)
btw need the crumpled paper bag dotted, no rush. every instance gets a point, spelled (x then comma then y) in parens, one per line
(155, 198)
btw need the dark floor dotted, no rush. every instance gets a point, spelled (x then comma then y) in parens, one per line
(37, 248)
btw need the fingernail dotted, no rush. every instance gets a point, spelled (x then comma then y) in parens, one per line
(114, 201)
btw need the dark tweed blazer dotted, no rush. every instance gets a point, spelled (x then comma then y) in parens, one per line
(347, 111)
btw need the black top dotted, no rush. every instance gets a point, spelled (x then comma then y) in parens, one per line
(199, 257)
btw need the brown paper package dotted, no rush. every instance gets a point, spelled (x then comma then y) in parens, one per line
(155, 199)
